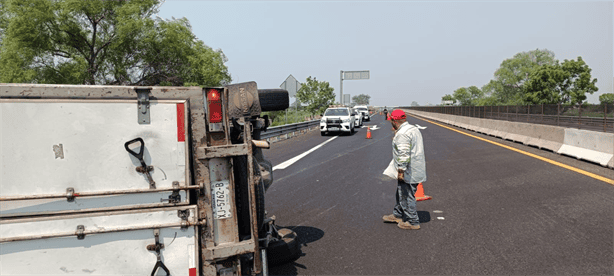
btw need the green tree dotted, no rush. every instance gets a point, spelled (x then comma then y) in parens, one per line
(606, 98)
(508, 83)
(361, 99)
(487, 101)
(448, 97)
(102, 42)
(318, 95)
(545, 85)
(414, 103)
(568, 82)
(462, 96)
(475, 94)
(467, 96)
(579, 81)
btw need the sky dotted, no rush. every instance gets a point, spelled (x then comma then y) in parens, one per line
(415, 50)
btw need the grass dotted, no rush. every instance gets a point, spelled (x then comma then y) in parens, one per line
(294, 116)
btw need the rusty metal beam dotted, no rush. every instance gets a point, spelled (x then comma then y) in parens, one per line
(221, 151)
(223, 251)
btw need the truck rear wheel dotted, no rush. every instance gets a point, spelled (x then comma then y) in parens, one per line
(285, 249)
(273, 99)
(242, 198)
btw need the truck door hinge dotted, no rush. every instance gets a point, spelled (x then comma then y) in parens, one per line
(143, 106)
(80, 230)
(184, 215)
(70, 194)
(175, 197)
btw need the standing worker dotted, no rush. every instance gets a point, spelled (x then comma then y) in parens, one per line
(385, 113)
(410, 167)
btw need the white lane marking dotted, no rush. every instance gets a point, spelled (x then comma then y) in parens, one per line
(437, 211)
(420, 127)
(440, 218)
(373, 127)
(291, 161)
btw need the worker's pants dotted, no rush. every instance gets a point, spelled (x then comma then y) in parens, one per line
(406, 202)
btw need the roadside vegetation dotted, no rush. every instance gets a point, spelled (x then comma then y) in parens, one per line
(100, 42)
(532, 78)
(278, 118)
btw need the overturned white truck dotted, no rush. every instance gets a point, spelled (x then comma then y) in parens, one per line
(137, 181)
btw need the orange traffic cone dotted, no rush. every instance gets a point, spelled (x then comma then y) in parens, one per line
(388, 118)
(368, 132)
(420, 194)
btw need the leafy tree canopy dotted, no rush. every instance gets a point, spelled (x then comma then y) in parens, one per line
(568, 82)
(579, 81)
(102, 42)
(361, 99)
(606, 98)
(318, 95)
(507, 85)
(467, 96)
(448, 97)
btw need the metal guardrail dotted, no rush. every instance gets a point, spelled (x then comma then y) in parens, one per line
(556, 115)
(286, 129)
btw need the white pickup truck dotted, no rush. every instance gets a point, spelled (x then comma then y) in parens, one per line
(121, 180)
(337, 119)
(364, 112)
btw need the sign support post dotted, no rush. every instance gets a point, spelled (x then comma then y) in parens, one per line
(351, 75)
(292, 86)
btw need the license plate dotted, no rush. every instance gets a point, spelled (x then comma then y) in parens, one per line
(333, 129)
(221, 199)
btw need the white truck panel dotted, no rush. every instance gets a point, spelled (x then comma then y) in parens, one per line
(48, 146)
(57, 206)
(110, 253)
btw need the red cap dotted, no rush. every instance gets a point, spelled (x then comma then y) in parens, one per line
(398, 114)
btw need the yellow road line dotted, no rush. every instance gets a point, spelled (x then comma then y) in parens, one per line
(598, 177)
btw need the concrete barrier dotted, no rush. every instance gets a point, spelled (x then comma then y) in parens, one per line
(588, 145)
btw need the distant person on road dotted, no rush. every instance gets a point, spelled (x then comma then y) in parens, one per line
(410, 167)
(385, 113)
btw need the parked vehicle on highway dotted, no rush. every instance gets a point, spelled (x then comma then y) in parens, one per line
(128, 180)
(364, 111)
(337, 118)
(357, 118)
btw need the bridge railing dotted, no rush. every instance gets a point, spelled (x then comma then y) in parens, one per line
(287, 129)
(590, 117)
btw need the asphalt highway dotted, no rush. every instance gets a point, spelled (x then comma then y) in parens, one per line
(494, 210)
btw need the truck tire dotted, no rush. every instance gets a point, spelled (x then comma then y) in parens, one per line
(273, 99)
(284, 250)
(242, 197)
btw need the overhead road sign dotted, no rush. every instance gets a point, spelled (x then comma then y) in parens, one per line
(356, 75)
(351, 75)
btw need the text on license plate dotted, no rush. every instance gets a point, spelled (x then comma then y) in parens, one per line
(333, 129)
(221, 199)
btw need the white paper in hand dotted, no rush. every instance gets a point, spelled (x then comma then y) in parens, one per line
(391, 171)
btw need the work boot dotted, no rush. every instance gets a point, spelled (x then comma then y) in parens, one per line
(405, 225)
(392, 218)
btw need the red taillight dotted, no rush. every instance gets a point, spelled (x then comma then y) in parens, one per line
(214, 106)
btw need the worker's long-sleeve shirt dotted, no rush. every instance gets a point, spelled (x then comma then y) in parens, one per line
(408, 153)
